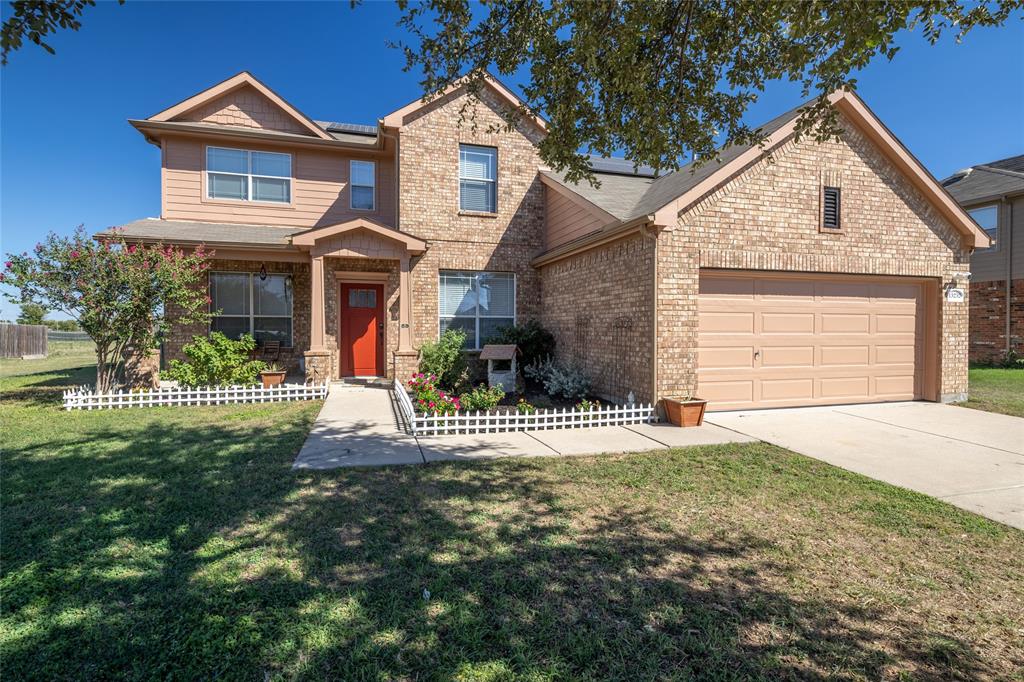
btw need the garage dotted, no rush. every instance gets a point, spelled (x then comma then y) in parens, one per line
(785, 340)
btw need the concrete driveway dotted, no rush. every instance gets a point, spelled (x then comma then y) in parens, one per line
(969, 458)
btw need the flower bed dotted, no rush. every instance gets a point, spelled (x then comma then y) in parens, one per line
(83, 398)
(455, 421)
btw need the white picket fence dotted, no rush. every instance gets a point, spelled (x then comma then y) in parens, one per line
(83, 398)
(478, 422)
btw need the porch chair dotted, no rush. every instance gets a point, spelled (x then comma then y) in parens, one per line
(270, 351)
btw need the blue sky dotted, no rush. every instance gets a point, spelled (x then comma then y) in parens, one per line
(69, 157)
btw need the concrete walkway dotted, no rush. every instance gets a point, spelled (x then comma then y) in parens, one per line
(359, 426)
(969, 458)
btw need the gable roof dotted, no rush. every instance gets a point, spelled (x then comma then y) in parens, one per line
(987, 181)
(311, 237)
(629, 199)
(397, 118)
(240, 80)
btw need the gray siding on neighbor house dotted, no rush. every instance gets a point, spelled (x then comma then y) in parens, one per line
(1008, 256)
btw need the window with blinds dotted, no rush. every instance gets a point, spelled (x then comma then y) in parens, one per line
(830, 209)
(246, 303)
(478, 303)
(478, 178)
(248, 176)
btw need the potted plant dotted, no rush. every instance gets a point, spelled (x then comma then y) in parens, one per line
(685, 411)
(272, 376)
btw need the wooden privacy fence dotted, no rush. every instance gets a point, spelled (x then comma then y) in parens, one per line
(19, 340)
(82, 398)
(477, 422)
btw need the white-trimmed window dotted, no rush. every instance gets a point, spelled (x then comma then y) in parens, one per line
(362, 177)
(243, 175)
(478, 178)
(988, 218)
(478, 303)
(250, 303)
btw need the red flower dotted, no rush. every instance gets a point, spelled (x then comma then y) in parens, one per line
(74, 254)
(8, 265)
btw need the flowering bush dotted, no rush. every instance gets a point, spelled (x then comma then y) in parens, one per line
(428, 397)
(482, 398)
(118, 292)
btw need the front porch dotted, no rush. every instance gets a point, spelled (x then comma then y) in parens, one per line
(348, 294)
(360, 300)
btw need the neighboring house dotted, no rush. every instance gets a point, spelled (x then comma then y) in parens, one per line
(993, 194)
(813, 277)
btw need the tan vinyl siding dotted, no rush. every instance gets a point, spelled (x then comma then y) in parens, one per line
(989, 265)
(566, 219)
(320, 193)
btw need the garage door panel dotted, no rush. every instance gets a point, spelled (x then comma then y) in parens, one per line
(896, 324)
(788, 289)
(889, 355)
(787, 323)
(726, 322)
(845, 323)
(726, 287)
(787, 356)
(898, 387)
(787, 389)
(845, 355)
(847, 292)
(738, 391)
(774, 341)
(726, 357)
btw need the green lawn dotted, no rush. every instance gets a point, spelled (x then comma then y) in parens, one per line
(178, 543)
(997, 390)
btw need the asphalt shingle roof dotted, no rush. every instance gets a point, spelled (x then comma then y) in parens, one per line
(630, 196)
(987, 180)
(207, 233)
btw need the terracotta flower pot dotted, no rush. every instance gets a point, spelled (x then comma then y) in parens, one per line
(272, 378)
(689, 412)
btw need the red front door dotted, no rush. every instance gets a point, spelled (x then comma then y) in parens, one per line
(362, 330)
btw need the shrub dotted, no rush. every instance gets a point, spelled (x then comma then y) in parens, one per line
(534, 341)
(217, 361)
(523, 407)
(482, 398)
(588, 405)
(428, 397)
(445, 360)
(559, 381)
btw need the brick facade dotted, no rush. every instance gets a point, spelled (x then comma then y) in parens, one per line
(766, 218)
(988, 320)
(505, 241)
(599, 305)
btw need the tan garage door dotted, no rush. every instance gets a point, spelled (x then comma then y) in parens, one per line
(769, 340)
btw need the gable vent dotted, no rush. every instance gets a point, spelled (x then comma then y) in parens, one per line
(830, 208)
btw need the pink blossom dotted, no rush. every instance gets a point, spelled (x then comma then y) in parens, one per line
(8, 265)
(131, 249)
(74, 254)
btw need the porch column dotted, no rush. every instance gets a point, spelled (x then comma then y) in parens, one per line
(316, 304)
(404, 306)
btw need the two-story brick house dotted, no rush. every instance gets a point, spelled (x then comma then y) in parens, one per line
(993, 194)
(815, 276)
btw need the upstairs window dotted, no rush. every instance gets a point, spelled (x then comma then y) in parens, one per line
(830, 208)
(248, 303)
(478, 178)
(988, 218)
(248, 176)
(362, 184)
(478, 303)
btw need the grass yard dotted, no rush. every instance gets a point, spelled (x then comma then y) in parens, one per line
(997, 390)
(178, 543)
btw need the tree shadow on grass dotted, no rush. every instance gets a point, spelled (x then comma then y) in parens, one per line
(190, 549)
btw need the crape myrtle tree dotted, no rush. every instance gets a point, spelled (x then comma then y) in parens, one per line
(668, 80)
(117, 292)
